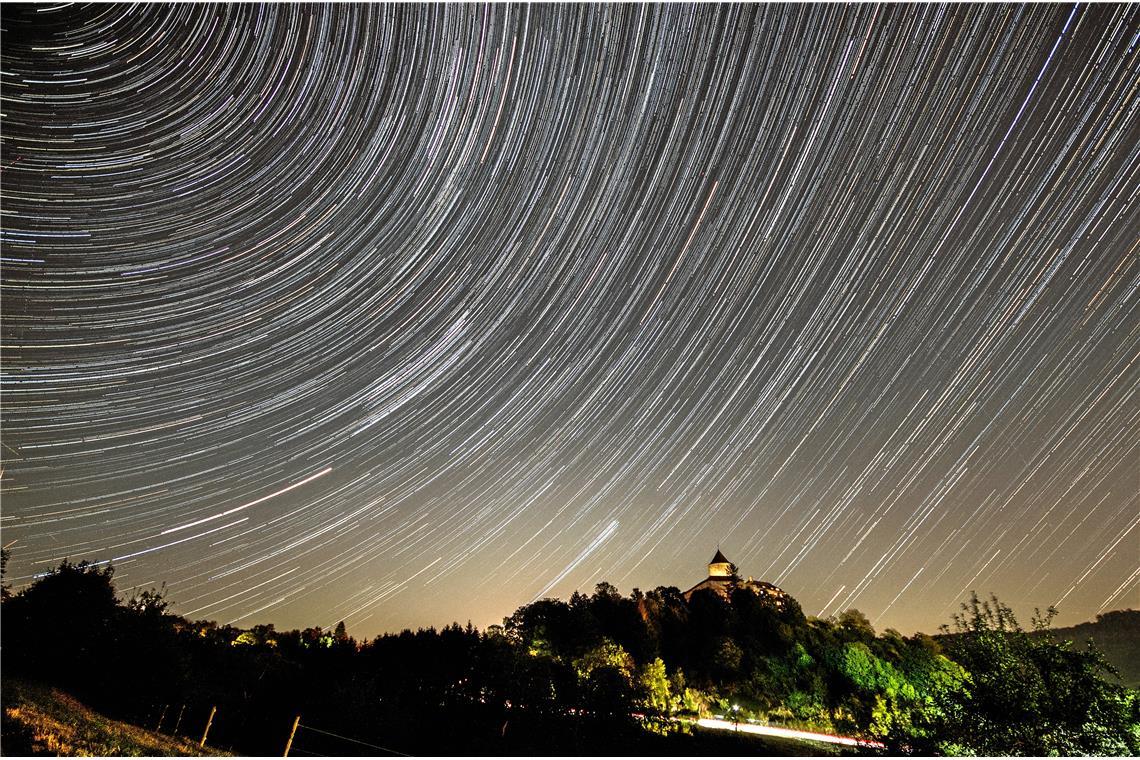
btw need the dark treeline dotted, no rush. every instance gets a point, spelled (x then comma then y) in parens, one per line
(603, 673)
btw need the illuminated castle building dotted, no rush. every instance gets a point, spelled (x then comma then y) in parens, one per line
(723, 577)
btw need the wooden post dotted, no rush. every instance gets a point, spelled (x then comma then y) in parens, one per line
(292, 733)
(209, 722)
(161, 717)
(178, 722)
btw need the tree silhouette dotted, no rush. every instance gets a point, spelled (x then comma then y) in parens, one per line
(62, 625)
(5, 587)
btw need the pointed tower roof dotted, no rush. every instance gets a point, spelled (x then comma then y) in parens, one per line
(718, 558)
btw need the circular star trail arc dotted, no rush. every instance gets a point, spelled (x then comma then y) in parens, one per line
(405, 314)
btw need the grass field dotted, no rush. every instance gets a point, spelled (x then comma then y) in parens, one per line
(40, 720)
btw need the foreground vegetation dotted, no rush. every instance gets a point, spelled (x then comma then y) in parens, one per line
(39, 720)
(599, 674)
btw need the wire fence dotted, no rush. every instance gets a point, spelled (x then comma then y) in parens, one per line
(187, 722)
(344, 738)
(171, 714)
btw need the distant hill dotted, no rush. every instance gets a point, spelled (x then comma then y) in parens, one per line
(1117, 635)
(39, 720)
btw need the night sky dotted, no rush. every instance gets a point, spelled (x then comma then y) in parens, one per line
(410, 314)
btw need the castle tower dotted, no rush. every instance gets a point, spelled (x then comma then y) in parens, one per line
(720, 567)
(723, 580)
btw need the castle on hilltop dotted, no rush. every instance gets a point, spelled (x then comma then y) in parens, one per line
(723, 577)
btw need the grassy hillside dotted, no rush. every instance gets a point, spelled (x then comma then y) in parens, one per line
(1117, 634)
(39, 720)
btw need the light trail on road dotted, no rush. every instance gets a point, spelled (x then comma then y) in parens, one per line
(787, 733)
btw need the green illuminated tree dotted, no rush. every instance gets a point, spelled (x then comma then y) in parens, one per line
(659, 697)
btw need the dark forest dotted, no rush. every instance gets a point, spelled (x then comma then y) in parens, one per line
(598, 674)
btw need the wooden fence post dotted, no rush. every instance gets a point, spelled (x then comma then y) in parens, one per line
(178, 722)
(209, 722)
(292, 732)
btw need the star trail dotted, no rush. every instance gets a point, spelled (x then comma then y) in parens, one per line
(405, 314)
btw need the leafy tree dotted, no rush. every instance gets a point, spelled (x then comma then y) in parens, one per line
(62, 626)
(707, 627)
(1028, 695)
(666, 618)
(726, 658)
(547, 628)
(620, 619)
(150, 602)
(659, 697)
(607, 654)
(855, 625)
(609, 693)
(761, 625)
